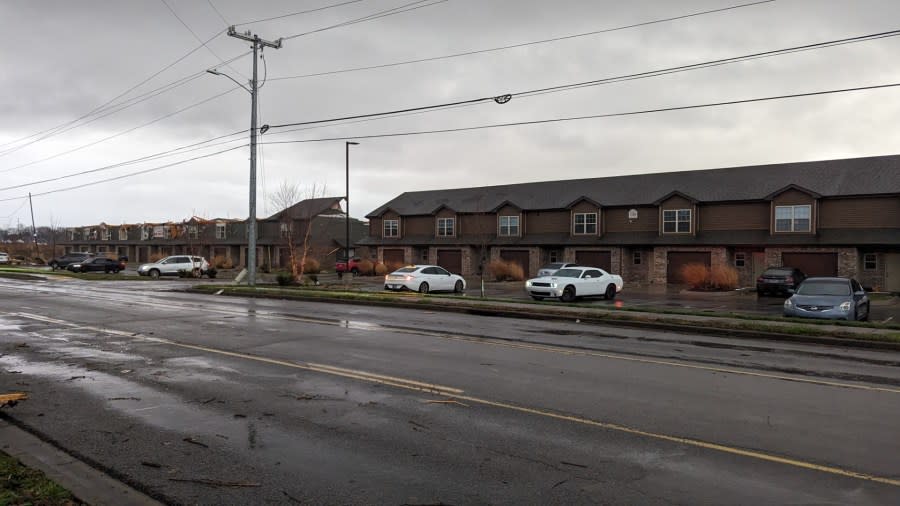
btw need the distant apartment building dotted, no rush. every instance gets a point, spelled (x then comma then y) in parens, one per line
(224, 239)
(830, 218)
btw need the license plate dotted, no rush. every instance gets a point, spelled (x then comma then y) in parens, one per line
(394, 287)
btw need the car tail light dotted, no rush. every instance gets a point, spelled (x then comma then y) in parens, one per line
(760, 280)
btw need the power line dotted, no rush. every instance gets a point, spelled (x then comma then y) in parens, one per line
(381, 14)
(123, 176)
(183, 23)
(332, 6)
(596, 82)
(44, 134)
(154, 156)
(523, 44)
(593, 116)
(119, 134)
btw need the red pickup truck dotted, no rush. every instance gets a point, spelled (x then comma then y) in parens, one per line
(340, 266)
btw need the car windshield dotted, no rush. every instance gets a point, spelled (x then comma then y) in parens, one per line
(824, 288)
(568, 273)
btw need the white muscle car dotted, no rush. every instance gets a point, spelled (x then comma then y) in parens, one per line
(573, 282)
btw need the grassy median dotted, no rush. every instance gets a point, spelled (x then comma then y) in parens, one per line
(22, 485)
(33, 274)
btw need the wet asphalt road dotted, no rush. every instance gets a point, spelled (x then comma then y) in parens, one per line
(219, 400)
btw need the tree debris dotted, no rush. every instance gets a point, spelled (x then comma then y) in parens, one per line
(563, 462)
(216, 483)
(446, 401)
(416, 424)
(12, 399)
(123, 398)
(195, 442)
(151, 464)
(76, 377)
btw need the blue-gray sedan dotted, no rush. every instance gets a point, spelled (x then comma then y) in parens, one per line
(829, 298)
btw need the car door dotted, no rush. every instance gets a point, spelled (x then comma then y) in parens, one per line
(591, 282)
(429, 275)
(172, 265)
(445, 278)
(860, 298)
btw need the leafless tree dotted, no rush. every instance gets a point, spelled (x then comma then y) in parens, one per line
(296, 228)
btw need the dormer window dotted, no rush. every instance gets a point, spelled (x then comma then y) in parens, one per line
(159, 232)
(220, 230)
(391, 228)
(509, 226)
(585, 223)
(123, 234)
(193, 231)
(446, 227)
(677, 221)
(105, 234)
(145, 233)
(792, 218)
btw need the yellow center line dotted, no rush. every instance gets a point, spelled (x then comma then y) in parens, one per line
(457, 394)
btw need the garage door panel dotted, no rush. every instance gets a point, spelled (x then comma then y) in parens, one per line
(601, 259)
(519, 257)
(812, 264)
(393, 258)
(450, 259)
(678, 259)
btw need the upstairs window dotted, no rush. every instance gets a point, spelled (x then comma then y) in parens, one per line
(145, 233)
(159, 232)
(72, 234)
(123, 234)
(285, 230)
(677, 221)
(792, 218)
(391, 228)
(509, 226)
(105, 234)
(446, 227)
(193, 232)
(585, 223)
(220, 230)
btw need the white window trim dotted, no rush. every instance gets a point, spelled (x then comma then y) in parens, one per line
(518, 218)
(452, 222)
(384, 228)
(145, 233)
(221, 230)
(874, 258)
(105, 234)
(637, 258)
(690, 221)
(743, 258)
(159, 232)
(596, 223)
(793, 219)
(123, 234)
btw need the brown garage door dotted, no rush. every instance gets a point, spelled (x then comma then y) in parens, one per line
(450, 259)
(393, 258)
(678, 259)
(601, 259)
(812, 264)
(519, 257)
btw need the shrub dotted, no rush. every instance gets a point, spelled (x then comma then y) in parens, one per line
(503, 270)
(381, 269)
(312, 266)
(723, 277)
(156, 257)
(365, 267)
(285, 279)
(695, 275)
(393, 266)
(221, 262)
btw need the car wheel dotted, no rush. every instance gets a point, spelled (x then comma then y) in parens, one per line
(423, 288)
(568, 294)
(154, 273)
(535, 297)
(458, 287)
(866, 317)
(354, 271)
(610, 292)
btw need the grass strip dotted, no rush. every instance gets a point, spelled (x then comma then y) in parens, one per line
(23, 485)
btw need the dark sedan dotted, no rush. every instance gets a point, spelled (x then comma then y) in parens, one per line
(779, 280)
(829, 298)
(98, 264)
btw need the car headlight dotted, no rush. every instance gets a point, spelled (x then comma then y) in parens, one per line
(845, 306)
(528, 284)
(788, 303)
(552, 285)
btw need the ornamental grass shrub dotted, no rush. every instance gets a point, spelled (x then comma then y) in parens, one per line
(503, 270)
(312, 266)
(365, 267)
(723, 277)
(695, 275)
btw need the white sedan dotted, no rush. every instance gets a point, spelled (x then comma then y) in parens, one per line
(573, 282)
(424, 279)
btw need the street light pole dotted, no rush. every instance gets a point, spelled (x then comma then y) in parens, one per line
(254, 91)
(347, 199)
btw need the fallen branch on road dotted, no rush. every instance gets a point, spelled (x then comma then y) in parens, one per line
(12, 399)
(448, 401)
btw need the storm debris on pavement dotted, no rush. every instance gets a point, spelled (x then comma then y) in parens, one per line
(216, 483)
(445, 401)
(195, 442)
(12, 399)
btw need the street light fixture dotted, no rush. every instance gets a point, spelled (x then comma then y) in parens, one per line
(347, 210)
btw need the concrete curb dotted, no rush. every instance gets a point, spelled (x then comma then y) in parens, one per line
(83, 481)
(537, 313)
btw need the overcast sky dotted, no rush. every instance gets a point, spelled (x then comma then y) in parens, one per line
(63, 59)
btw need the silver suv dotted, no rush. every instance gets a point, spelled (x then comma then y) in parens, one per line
(176, 265)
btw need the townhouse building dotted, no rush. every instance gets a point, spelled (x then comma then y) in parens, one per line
(831, 217)
(225, 239)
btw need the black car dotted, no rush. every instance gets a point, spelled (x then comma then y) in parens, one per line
(69, 258)
(97, 264)
(779, 280)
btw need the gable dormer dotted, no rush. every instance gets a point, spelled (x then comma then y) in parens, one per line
(510, 219)
(585, 217)
(793, 210)
(677, 214)
(445, 222)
